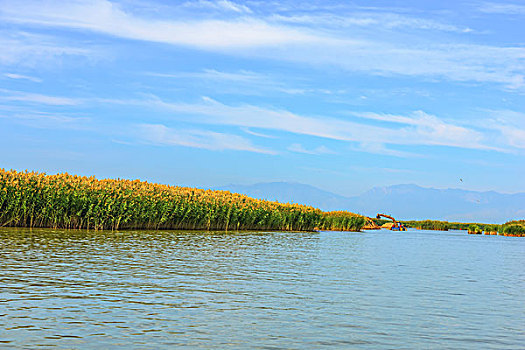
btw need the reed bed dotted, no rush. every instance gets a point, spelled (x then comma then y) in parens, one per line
(341, 221)
(32, 199)
(428, 225)
(514, 230)
(474, 229)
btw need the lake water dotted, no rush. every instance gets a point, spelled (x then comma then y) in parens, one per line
(150, 290)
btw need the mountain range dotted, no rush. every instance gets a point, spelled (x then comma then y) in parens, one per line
(404, 202)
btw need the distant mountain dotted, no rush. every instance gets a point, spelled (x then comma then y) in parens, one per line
(418, 203)
(289, 192)
(404, 202)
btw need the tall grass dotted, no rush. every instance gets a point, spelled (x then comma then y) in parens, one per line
(515, 229)
(475, 229)
(31, 199)
(341, 221)
(428, 225)
(445, 225)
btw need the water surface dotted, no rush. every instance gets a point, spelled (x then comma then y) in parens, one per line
(149, 290)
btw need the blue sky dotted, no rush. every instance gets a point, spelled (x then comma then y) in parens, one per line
(342, 95)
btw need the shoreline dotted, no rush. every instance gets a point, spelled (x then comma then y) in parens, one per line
(64, 201)
(32, 199)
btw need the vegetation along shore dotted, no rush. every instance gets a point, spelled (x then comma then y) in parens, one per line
(511, 228)
(32, 199)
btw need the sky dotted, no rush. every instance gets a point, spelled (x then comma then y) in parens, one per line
(341, 95)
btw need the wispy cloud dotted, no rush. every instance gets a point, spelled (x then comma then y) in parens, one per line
(20, 96)
(241, 76)
(245, 82)
(510, 124)
(454, 62)
(194, 138)
(379, 148)
(257, 36)
(502, 8)
(258, 134)
(44, 120)
(22, 77)
(435, 130)
(382, 169)
(223, 5)
(321, 150)
(418, 128)
(384, 20)
(27, 49)
(106, 17)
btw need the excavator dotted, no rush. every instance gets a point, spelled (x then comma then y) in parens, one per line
(394, 225)
(370, 224)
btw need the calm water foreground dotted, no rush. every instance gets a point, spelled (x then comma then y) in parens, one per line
(149, 290)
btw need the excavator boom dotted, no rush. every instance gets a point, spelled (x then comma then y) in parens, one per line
(395, 226)
(378, 216)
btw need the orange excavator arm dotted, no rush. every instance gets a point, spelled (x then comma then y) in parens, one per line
(395, 225)
(378, 216)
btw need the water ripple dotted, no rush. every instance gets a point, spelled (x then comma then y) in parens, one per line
(371, 290)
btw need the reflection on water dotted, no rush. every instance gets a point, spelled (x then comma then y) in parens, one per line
(379, 289)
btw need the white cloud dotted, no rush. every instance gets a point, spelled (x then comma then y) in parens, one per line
(417, 129)
(383, 169)
(38, 119)
(244, 82)
(224, 5)
(106, 17)
(37, 98)
(241, 76)
(379, 148)
(251, 36)
(383, 20)
(515, 137)
(455, 62)
(22, 77)
(501, 8)
(298, 148)
(26, 49)
(204, 139)
(258, 134)
(435, 130)
(510, 124)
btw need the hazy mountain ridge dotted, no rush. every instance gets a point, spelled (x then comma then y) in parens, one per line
(291, 192)
(405, 201)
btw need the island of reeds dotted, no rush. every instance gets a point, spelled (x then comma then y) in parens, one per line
(32, 199)
(512, 228)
